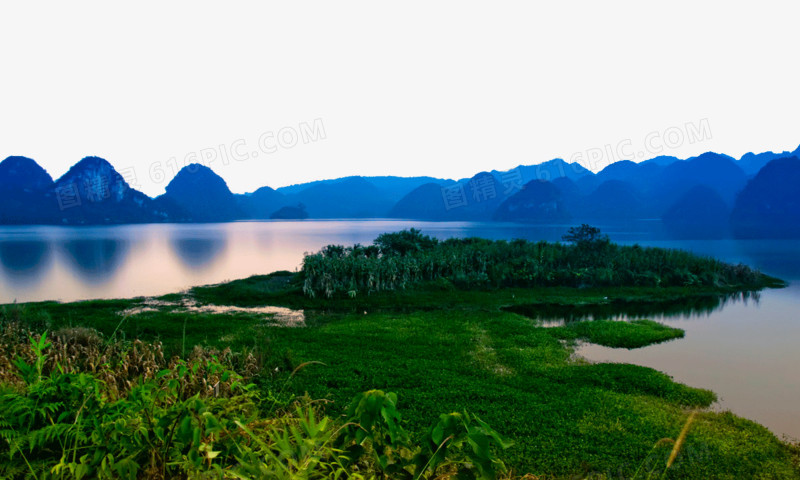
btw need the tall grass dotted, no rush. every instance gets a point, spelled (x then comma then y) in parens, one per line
(408, 258)
(65, 415)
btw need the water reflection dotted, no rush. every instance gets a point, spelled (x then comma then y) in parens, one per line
(24, 261)
(780, 258)
(199, 250)
(95, 260)
(552, 314)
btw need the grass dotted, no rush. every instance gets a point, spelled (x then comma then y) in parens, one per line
(618, 334)
(442, 349)
(173, 329)
(76, 406)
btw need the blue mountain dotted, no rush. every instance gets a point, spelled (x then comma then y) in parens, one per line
(93, 192)
(261, 204)
(752, 163)
(700, 213)
(475, 198)
(352, 197)
(426, 202)
(539, 201)
(25, 192)
(203, 194)
(393, 188)
(612, 200)
(701, 196)
(769, 206)
(713, 170)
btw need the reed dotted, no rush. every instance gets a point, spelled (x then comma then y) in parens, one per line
(676, 448)
(409, 259)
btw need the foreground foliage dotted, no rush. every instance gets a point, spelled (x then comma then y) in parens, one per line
(200, 419)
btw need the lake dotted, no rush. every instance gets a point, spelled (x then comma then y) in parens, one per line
(745, 351)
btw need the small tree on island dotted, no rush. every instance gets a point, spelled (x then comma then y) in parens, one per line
(585, 235)
(404, 242)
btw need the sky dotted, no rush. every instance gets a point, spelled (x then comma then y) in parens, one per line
(277, 93)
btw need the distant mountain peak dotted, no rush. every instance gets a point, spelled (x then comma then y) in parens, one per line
(93, 161)
(195, 168)
(18, 161)
(198, 177)
(662, 160)
(94, 180)
(204, 194)
(707, 156)
(23, 173)
(552, 169)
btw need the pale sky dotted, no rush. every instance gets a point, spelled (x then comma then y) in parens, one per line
(445, 89)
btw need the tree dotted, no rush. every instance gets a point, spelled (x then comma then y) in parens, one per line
(404, 242)
(585, 235)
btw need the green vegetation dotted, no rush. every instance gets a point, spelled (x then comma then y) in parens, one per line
(407, 259)
(287, 401)
(79, 407)
(618, 334)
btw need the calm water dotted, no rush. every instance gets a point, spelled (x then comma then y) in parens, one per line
(747, 352)
(74, 263)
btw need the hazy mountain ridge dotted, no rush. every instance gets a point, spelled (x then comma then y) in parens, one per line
(353, 197)
(706, 196)
(260, 204)
(752, 163)
(769, 206)
(394, 188)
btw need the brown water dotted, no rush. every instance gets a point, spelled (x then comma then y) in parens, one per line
(747, 352)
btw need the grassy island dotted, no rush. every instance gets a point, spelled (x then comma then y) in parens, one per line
(409, 358)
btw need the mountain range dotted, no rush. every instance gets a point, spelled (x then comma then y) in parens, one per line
(711, 195)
